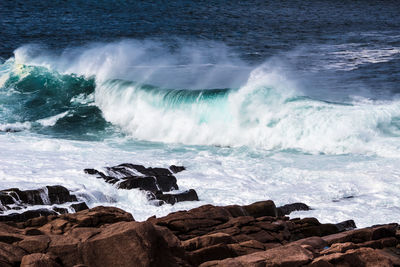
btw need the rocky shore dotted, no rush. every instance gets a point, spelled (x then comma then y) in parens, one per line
(259, 234)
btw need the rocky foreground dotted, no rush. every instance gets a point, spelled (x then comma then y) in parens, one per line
(253, 235)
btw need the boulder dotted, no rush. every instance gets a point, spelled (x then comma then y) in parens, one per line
(47, 195)
(289, 208)
(40, 260)
(125, 243)
(24, 216)
(189, 195)
(289, 255)
(176, 169)
(354, 257)
(207, 240)
(79, 206)
(156, 181)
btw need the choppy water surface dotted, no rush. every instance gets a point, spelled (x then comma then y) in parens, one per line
(259, 101)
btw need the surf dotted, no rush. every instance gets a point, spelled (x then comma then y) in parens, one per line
(267, 110)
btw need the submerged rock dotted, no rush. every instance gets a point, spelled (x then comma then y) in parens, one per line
(176, 169)
(44, 196)
(289, 208)
(156, 181)
(20, 200)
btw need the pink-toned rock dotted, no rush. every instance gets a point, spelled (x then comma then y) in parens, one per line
(367, 257)
(39, 260)
(10, 254)
(207, 240)
(35, 244)
(248, 247)
(290, 255)
(128, 243)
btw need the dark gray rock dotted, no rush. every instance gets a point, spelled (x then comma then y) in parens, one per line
(30, 214)
(189, 195)
(289, 208)
(79, 206)
(156, 181)
(144, 183)
(176, 169)
(346, 225)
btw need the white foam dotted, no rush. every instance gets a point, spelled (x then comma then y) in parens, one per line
(51, 121)
(15, 127)
(260, 114)
(221, 176)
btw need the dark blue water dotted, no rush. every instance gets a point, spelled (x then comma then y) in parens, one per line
(256, 29)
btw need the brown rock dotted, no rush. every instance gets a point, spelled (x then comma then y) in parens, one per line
(204, 217)
(354, 257)
(39, 260)
(315, 242)
(215, 252)
(207, 240)
(290, 255)
(339, 248)
(248, 247)
(35, 244)
(10, 254)
(363, 235)
(125, 243)
(261, 208)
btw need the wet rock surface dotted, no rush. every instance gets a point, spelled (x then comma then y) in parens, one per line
(23, 202)
(155, 181)
(251, 235)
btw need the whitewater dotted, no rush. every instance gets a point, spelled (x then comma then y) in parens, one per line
(244, 132)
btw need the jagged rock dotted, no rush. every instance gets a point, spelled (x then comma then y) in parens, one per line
(214, 252)
(21, 217)
(248, 247)
(176, 169)
(10, 255)
(144, 183)
(355, 257)
(60, 210)
(141, 243)
(256, 221)
(17, 199)
(207, 240)
(87, 218)
(346, 225)
(189, 195)
(289, 255)
(206, 236)
(40, 260)
(47, 195)
(289, 208)
(363, 235)
(79, 206)
(156, 181)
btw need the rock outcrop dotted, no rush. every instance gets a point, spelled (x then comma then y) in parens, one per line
(23, 202)
(155, 181)
(251, 235)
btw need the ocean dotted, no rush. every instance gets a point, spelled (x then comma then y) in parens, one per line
(294, 101)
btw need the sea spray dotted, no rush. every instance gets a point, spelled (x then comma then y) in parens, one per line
(266, 111)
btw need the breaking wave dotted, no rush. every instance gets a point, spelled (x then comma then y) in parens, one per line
(264, 110)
